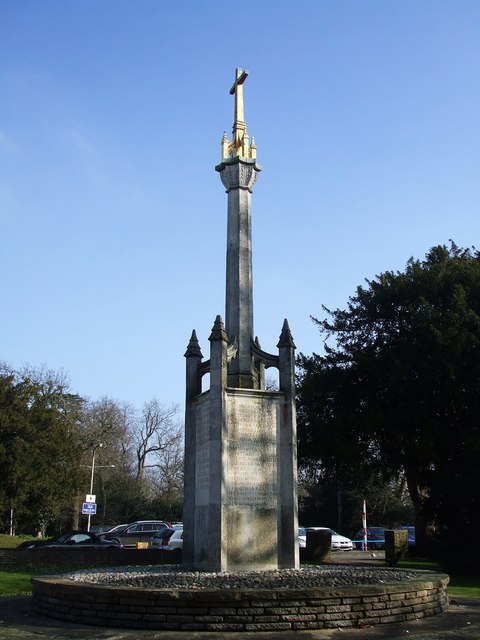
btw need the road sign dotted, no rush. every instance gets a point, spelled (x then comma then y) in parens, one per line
(89, 508)
(90, 497)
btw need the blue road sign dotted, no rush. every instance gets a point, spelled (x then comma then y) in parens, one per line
(89, 508)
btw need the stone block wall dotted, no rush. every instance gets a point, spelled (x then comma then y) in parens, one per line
(85, 557)
(243, 610)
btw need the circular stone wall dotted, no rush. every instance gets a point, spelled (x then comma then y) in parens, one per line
(420, 594)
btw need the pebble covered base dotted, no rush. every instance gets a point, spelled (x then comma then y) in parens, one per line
(168, 598)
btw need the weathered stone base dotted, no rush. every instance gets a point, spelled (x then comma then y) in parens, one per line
(241, 610)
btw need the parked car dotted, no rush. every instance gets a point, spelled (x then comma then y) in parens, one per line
(116, 528)
(101, 528)
(139, 531)
(375, 538)
(168, 539)
(74, 539)
(302, 537)
(339, 543)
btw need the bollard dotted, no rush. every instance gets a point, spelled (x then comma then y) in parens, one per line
(319, 542)
(396, 545)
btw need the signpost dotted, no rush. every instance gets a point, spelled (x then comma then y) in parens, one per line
(89, 508)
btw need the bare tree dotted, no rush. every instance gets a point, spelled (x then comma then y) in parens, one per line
(155, 432)
(107, 423)
(167, 476)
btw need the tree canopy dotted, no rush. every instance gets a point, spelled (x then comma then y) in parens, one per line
(398, 390)
(47, 438)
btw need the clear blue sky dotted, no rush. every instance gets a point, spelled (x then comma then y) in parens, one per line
(113, 219)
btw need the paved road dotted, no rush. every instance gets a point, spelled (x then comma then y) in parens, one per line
(460, 622)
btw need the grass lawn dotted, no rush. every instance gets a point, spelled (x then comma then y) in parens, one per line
(15, 584)
(468, 586)
(16, 581)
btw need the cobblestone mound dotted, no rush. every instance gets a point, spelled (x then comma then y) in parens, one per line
(173, 577)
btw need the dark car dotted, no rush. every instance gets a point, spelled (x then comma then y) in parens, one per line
(140, 531)
(101, 528)
(117, 527)
(375, 538)
(73, 539)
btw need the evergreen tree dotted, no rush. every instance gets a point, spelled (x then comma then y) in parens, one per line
(39, 464)
(399, 391)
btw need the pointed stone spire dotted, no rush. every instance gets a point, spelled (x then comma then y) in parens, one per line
(194, 358)
(218, 365)
(286, 339)
(218, 331)
(193, 348)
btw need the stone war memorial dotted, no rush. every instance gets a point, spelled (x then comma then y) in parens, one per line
(240, 568)
(240, 506)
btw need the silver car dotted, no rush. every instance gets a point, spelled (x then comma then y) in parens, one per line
(339, 543)
(167, 539)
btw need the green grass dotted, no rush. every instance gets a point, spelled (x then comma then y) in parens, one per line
(418, 563)
(459, 585)
(467, 586)
(15, 583)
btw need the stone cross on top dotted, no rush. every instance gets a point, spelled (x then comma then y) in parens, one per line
(237, 90)
(239, 146)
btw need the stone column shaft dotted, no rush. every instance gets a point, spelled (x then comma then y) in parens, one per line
(239, 284)
(238, 176)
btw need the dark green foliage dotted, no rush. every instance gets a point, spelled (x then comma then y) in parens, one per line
(38, 449)
(399, 392)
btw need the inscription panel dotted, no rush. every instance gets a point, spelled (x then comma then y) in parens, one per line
(251, 478)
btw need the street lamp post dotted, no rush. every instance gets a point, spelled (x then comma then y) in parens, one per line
(91, 477)
(92, 473)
